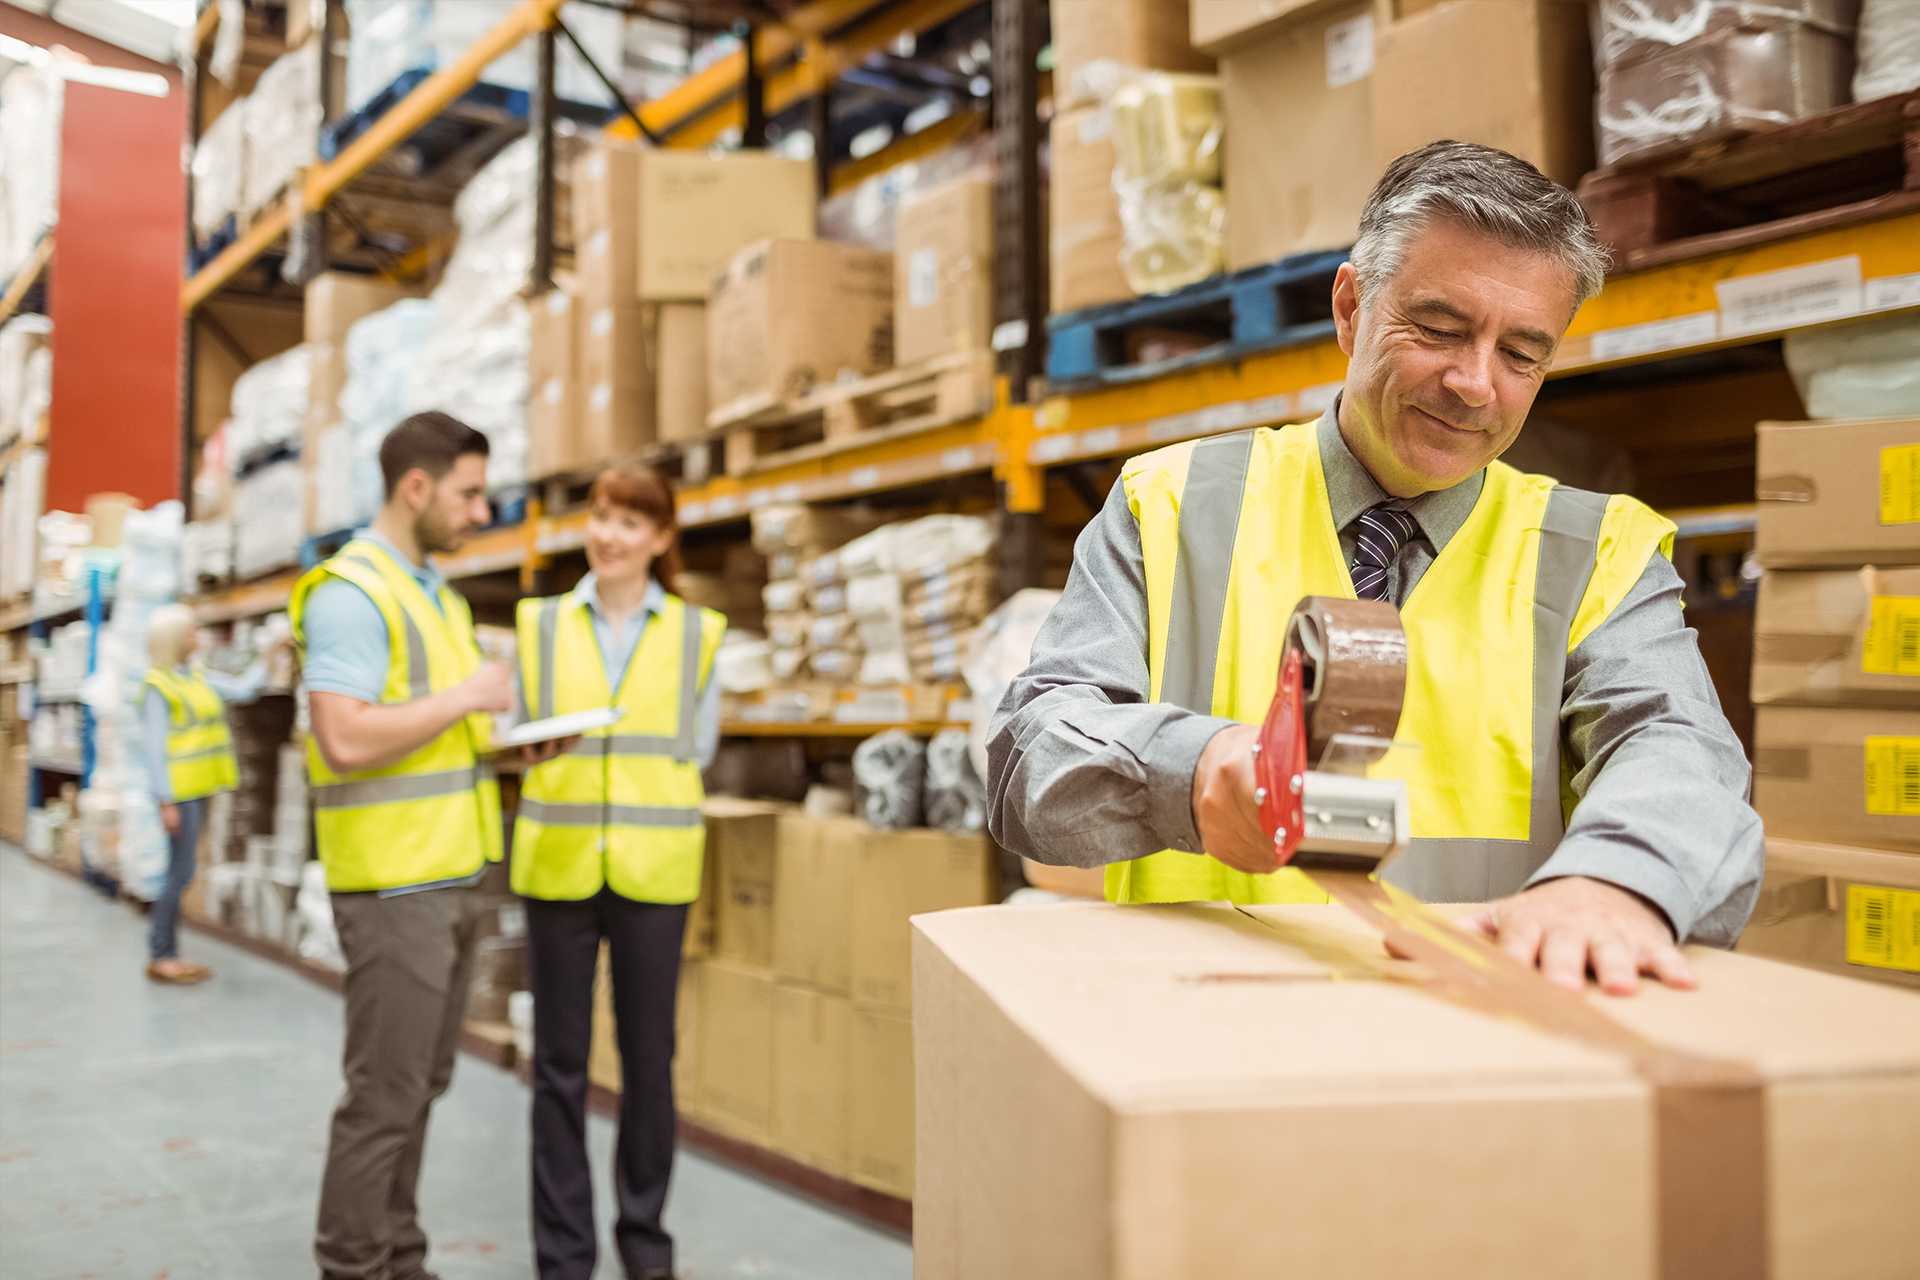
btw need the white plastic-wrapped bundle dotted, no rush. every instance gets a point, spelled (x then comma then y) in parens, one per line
(269, 404)
(319, 939)
(282, 125)
(479, 375)
(25, 381)
(1868, 370)
(206, 553)
(1888, 49)
(30, 103)
(21, 498)
(392, 37)
(956, 798)
(891, 770)
(1001, 650)
(269, 518)
(490, 261)
(219, 170)
(382, 350)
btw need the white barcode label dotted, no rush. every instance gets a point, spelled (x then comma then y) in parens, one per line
(1349, 51)
(923, 277)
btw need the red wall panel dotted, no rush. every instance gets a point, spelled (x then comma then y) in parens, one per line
(115, 298)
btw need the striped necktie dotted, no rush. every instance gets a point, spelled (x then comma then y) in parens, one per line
(1379, 534)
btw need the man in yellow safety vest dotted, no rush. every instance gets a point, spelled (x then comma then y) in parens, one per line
(407, 816)
(1573, 768)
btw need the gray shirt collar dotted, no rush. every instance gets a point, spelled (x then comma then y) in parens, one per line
(1351, 488)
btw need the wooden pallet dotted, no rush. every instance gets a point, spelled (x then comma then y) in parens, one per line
(567, 491)
(935, 393)
(1851, 165)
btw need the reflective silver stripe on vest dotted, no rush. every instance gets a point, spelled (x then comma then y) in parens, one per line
(419, 678)
(549, 624)
(1203, 561)
(549, 814)
(223, 749)
(624, 744)
(1466, 870)
(683, 750)
(1463, 870)
(412, 786)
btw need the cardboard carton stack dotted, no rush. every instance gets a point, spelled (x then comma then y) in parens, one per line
(1836, 687)
(335, 300)
(943, 271)
(1086, 235)
(793, 537)
(1198, 1091)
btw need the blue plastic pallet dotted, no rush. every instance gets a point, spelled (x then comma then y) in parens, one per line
(1281, 304)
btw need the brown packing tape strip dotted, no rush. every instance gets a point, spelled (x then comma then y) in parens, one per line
(1798, 646)
(1783, 762)
(1785, 489)
(1362, 676)
(1710, 1115)
(1791, 899)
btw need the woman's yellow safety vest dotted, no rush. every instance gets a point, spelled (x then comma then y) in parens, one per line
(436, 814)
(622, 807)
(199, 745)
(1236, 529)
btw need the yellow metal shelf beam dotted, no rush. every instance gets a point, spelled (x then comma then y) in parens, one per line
(324, 181)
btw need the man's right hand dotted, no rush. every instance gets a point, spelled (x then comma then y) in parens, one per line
(1224, 811)
(490, 688)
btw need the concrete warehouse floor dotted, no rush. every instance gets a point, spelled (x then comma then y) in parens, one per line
(178, 1132)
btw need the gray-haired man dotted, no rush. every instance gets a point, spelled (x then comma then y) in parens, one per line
(1575, 771)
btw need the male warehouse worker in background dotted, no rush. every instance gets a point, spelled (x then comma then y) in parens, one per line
(1543, 624)
(407, 815)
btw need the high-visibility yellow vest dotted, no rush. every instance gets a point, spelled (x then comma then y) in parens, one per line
(622, 807)
(436, 814)
(1236, 529)
(199, 744)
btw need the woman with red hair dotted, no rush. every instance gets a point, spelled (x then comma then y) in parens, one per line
(608, 845)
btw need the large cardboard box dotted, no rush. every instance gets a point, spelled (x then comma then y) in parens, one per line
(819, 861)
(1855, 912)
(1839, 775)
(606, 223)
(882, 1113)
(1221, 26)
(901, 874)
(943, 271)
(742, 844)
(1135, 33)
(1838, 636)
(1232, 1094)
(791, 315)
(616, 378)
(689, 1016)
(1084, 237)
(1516, 75)
(603, 1049)
(553, 386)
(736, 1050)
(812, 1076)
(697, 211)
(334, 302)
(1300, 156)
(682, 396)
(1839, 493)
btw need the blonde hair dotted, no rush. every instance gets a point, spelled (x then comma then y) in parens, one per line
(167, 632)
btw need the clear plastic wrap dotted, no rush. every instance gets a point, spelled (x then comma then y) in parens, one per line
(1738, 78)
(867, 215)
(269, 405)
(479, 375)
(31, 99)
(219, 170)
(269, 517)
(1888, 49)
(282, 126)
(1167, 130)
(1867, 370)
(319, 939)
(956, 798)
(392, 37)
(1627, 31)
(26, 380)
(382, 350)
(890, 769)
(999, 651)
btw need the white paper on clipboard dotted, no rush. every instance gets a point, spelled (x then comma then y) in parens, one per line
(566, 726)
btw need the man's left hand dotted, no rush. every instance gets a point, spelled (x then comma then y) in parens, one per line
(524, 758)
(1573, 924)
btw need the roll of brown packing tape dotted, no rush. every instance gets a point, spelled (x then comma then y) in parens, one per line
(1357, 652)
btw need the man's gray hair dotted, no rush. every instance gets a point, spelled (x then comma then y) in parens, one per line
(1484, 190)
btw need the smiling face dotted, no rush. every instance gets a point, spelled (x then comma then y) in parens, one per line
(622, 543)
(1446, 356)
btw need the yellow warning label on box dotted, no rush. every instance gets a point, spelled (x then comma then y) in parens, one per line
(1883, 927)
(1893, 776)
(1893, 637)
(1900, 484)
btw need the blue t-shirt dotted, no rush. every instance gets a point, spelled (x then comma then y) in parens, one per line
(347, 650)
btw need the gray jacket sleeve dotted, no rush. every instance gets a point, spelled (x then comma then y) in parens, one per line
(1083, 770)
(1662, 781)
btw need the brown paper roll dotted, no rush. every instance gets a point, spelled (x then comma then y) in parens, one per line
(1356, 656)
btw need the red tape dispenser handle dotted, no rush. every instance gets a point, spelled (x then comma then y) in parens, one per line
(1280, 761)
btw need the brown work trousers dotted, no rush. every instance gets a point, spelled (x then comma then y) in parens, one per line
(409, 962)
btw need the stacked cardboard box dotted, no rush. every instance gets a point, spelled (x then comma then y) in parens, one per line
(1836, 683)
(335, 300)
(943, 271)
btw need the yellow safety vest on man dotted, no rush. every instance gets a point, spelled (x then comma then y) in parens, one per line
(622, 808)
(1236, 529)
(199, 744)
(436, 814)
